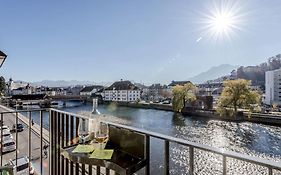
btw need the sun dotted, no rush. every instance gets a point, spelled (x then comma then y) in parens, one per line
(223, 20)
(222, 23)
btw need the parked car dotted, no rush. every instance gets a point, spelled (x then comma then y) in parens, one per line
(22, 166)
(8, 145)
(6, 135)
(4, 128)
(19, 127)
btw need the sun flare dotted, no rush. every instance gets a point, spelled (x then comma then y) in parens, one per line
(223, 21)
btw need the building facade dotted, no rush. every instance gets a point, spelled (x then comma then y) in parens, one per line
(123, 91)
(156, 92)
(273, 87)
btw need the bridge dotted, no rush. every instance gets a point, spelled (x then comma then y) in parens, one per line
(67, 98)
(43, 100)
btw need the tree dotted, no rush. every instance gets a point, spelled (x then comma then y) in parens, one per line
(238, 94)
(2, 85)
(183, 94)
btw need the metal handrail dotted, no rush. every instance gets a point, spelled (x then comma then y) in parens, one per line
(17, 118)
(231, 154)
(26, 110)
(167, 139)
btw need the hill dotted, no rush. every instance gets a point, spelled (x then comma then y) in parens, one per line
(213, 73)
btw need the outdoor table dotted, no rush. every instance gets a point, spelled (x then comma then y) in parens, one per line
(121, 162)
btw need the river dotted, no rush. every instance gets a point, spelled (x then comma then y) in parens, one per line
(259, 140)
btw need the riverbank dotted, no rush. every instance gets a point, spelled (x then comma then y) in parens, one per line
(211, 114)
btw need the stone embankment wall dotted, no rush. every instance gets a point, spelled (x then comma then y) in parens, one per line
(211, 114)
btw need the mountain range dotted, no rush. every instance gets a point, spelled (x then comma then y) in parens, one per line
(213, 73)
(61, 83)
(210, 74)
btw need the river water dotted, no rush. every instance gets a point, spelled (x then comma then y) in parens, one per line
(258, 140)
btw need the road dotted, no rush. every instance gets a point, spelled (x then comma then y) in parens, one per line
(23, 144)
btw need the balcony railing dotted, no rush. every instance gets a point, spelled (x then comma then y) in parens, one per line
(63, 133)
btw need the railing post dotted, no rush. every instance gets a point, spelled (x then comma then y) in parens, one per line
(29, 134)
(270, 171)
(147, 154)
(191, 160)
(67, 142)
(17, 140)
(224, 165)
(55, 130)
(71, 141)
(41, 142)
(167, 158)
(51, 147)
(107, 171)
(1, 139)
(77, 121)
(98, 170)
(58, 137)
(62, 143)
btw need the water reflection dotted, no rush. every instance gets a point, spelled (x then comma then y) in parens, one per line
(178, 120)
(253, 139)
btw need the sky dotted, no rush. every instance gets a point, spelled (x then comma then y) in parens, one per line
(146, 41)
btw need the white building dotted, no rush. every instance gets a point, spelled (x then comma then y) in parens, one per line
(19, 91)
(124, 91)
(273, 87)
(26, 90)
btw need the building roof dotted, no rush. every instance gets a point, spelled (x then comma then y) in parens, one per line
(29, 97)
(174, 83)
(90, 88)
(155, 86)
(122, 85)
(19, 89)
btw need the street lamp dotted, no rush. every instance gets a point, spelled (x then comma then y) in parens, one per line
(3, 57)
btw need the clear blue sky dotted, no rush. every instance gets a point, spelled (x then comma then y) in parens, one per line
(142, 40)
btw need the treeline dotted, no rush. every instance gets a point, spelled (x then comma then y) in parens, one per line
(257, 73)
